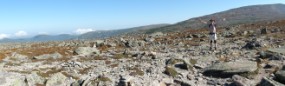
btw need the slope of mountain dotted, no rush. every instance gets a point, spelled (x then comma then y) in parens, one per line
(109, 33)
(247, 14)
(89, 35)
(41, 38)
(53, 38)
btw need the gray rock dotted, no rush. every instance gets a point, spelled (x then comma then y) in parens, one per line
(252, 44)
(16, 58)
(241, 81)
(269, 82)
(197, 35)
(12, 79)
(228, 34)
(131, 44)
(183, 83)
(77, 83)
(49, 56)
(112, 44)
(99, 43)
(180, 63)
(280, 50)
(99, 81)
(149, 39)
(156, 34)
(34, 79)
(263, 31)
(280, 75)
(57, 79)
(273, 54)
(86, 51)
(226, 69)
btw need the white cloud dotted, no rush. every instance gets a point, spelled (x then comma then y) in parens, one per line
(82, 31)
(2, 36)
(21, 34)
(43, 33)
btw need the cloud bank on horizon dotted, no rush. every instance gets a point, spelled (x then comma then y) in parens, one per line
(19, 34)
(23, 34)
(82, 31)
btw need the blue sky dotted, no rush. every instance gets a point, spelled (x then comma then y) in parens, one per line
(26, 18)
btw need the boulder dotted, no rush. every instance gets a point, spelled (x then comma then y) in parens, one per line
(48, 56)
(86, 51)
(263, 31)
(280, 50)
(77, 83)
(227, 69)
(273, 54)
(280, 75)
(252, 45)
(197, 35)
(99, 81)
(57, 79)
(17, 56)
(179, 63)
(34, 79)
(111, 44)
(99, 43)
(149, 39)
(12, 79)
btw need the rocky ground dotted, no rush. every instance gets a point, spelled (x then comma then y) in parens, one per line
(250, 54)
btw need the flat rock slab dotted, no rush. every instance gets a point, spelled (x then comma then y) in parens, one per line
(269, 82)
(227, 69)
(277, 50)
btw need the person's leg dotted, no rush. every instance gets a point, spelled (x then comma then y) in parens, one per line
(211, 44)
(215, 41)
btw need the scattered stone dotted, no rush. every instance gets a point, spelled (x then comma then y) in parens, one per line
(48, 56)
(196, 35)
(252, 45)
(111, 44)
(241, 81)
(263, 31)
(86, 51)
(56, 80)
(99, 43)
(156, 34)
(34, 79)
(17, 56)
(170, 71)
(149, 39)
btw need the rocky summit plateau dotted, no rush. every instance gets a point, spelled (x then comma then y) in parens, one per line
(247, 55)
(250, 52)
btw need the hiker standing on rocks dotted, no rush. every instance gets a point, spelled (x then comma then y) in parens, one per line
(212, 34)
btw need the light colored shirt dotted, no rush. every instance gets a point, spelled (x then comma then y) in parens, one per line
(212, 28)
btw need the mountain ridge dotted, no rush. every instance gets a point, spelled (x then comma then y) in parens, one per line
(240, 15)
